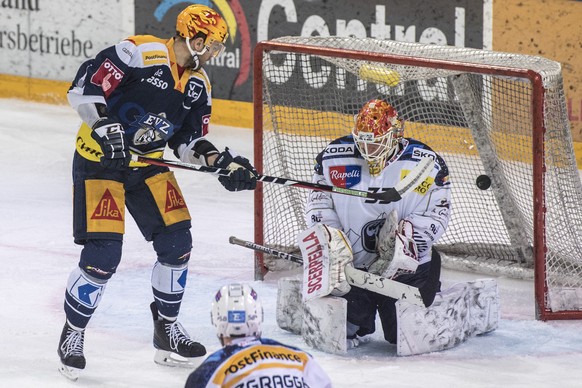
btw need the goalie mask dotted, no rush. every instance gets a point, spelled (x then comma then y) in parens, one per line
(200, 21)
(237, 312)
(377, 132)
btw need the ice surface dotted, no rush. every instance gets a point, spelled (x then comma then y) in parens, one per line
(37, 254)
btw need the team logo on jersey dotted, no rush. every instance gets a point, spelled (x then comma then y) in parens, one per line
(108, 76)
(107, 209)
(419, 153)
(151, 128)
(158, 57)
(369, 232)
(195, 90)
(443, 208)
(145, 136)
(345, 176)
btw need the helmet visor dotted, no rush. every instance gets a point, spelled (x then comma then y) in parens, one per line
(215, 48)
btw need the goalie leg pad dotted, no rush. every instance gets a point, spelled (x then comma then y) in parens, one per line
(324, 324)
(289, 313)
(326, 251)
(321, 322)
(461, 311)
(387, 306)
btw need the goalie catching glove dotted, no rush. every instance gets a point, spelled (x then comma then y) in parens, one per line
(243, 175)
(326, 251)
(397, 250)
(110, 136)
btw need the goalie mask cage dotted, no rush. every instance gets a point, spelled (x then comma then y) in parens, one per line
(487, 113)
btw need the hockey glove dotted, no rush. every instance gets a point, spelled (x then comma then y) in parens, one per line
(386, 237)
(243, 175)
(110, 136)
(405, 257)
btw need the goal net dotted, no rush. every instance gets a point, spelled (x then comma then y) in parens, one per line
(487, 113)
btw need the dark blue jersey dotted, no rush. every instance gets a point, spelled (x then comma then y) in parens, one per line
(143, 88)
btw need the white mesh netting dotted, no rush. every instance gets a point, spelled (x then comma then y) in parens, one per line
(456, 101)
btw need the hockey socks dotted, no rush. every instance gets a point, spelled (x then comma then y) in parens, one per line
(82, 297)
(168, 282)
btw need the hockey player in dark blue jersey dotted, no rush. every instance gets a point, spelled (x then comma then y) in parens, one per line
(246, 359)
(137, 97)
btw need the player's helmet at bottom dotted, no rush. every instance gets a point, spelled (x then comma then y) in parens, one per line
(378, 130)
(201, 21)
(237, 312)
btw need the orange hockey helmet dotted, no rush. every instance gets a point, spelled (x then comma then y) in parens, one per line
(199, 19)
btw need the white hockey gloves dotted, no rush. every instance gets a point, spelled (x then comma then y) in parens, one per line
(397, 250)
(326, 251)
(386, 239)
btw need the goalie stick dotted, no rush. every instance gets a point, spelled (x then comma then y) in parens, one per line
(409, 183)
(355, 277)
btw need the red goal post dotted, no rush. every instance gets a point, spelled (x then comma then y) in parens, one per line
(487, 113)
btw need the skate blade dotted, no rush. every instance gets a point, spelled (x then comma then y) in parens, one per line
(70, 372)
(163, 357)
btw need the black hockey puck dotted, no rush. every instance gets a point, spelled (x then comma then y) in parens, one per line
(483, 182)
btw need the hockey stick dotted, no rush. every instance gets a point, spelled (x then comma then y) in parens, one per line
(355, 277)
(409, 183)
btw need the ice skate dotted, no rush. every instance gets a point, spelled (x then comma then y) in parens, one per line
(173, 344)
(71, 352)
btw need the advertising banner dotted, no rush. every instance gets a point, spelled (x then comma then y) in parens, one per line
(51, 39)
(464, 23)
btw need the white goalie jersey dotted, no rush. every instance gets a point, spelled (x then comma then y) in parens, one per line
(427, 207)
